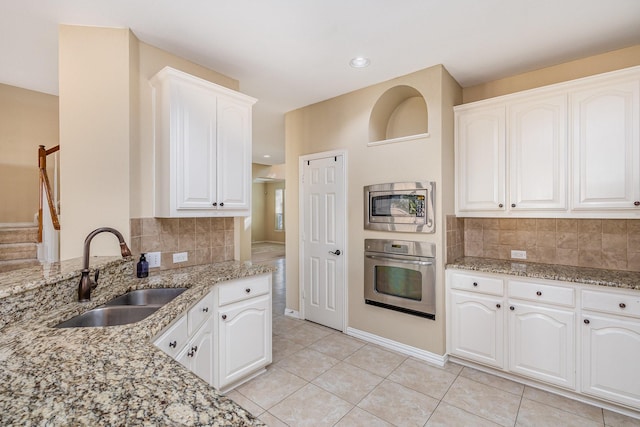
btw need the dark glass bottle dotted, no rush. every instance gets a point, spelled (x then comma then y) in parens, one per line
(142, 267)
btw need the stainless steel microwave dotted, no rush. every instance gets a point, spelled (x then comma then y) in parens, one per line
(400, 206)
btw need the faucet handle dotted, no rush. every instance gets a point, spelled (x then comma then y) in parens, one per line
(95, 279)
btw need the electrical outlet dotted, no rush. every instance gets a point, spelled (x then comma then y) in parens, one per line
(519, 254)
(180, 257)
(153, 258)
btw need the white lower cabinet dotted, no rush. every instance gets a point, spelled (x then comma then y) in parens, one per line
(244, 348)
(542, 343)
(225, 338)
(476, 327)
(568, 335)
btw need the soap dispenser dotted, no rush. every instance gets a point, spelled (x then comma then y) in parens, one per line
(142, 267)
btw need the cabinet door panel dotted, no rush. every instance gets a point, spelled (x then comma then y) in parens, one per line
(194, 130)
(610, 349)
(538, 153)
(605, 140)
(480, 165)
(477, 328)
(542, 343)
(234, 152)
(244, 341)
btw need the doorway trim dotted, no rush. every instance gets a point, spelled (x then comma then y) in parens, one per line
(301, 211)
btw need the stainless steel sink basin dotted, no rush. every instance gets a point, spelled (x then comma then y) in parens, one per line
(147, 296)
(110, 316)
(128, 308)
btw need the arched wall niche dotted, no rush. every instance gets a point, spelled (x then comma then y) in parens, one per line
(399, 114)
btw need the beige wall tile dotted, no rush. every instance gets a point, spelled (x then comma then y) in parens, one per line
(170, 226)
(228, 223)
(508, 223)
(546, 224)
(590, 241)
(490, 237)
(614, 259)
(566, 240)
(136, 227)
(217, 223)
(570, 225)
(546, 239)
(150, 243)
(186, 225)
(473, 235)
(491, 224)
(187, 241)
(150, 227)
(614, 241)
(614, 226)
(567, 256)
(589, 226)
(526, 224)
(202, 225)
(510, 237)
(589, 258)
(633, 261)
(169, 242)
(547, 255)
(633, 242)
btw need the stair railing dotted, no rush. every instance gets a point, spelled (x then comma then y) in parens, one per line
(45, 187)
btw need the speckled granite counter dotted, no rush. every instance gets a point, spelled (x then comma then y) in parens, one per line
(590, 276)
(105, 376)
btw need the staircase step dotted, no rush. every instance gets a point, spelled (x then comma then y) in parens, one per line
(18, 251)
(18, 234)
(17, 264)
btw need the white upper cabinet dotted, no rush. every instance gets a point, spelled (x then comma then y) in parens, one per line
(606, 146)
(480, 159)
(566, 150)
(202, 147)
(538, 153)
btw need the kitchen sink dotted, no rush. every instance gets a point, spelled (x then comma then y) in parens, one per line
(153, 296)
(128, 308)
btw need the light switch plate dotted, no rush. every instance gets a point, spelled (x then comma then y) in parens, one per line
(153, 258)
(180, 257)
(519, 254)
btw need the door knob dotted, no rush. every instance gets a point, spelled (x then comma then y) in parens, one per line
(337, 252)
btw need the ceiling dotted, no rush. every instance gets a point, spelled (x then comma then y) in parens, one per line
(292, 53)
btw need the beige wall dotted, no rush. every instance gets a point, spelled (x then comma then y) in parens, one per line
(95, 124)
(27, 119)
(258, 198)
(571, 70)
(343, 123)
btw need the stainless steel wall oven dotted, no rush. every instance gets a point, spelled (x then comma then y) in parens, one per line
(400, 275)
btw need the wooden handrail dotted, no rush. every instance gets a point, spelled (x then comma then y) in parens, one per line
(46, 187)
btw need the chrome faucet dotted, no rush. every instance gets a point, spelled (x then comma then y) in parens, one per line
(86, 284)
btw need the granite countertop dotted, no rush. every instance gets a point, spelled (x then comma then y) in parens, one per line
(590, 276)
(106, 376)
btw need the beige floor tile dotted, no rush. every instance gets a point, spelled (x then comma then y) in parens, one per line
(348, 382)
(614, 419)
(283, 347)
(485, 401)
(568, 405)
(307, 364)
(246, 403)
(399, 405)
(271, 387)
(306, 334)
(359, 418)
(537, 414)
(493, 381)
(452, 368)
(376, 360)
(282, 325)
(446, 415)
(271, 421)
(311, 406)
(424, 378)
(339, 346)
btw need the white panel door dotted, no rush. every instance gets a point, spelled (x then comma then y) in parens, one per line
(193, 128)
(606, 146)
(610, 350)
(542, 343)
(480, 159)
(234, 154)
(323, 238)
(477, 328)
(538, 153)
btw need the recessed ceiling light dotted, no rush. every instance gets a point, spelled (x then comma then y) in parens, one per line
(359, 62)
(266, 156)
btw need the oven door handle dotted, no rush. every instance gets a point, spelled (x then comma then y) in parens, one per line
(401, 261)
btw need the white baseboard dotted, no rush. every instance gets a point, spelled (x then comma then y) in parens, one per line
(292, 313)
(427, 356)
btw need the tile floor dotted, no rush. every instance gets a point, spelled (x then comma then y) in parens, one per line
(321, 377)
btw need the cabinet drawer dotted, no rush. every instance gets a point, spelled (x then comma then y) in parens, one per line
(243, 289)
(612, 302)
(200, 312)
(174, 338)
(542, 293)
(486, 285)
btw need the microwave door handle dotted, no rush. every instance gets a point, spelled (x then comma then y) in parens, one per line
(401, 261)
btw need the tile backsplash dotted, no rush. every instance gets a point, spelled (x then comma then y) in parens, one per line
(600, 243)
(205, 240)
